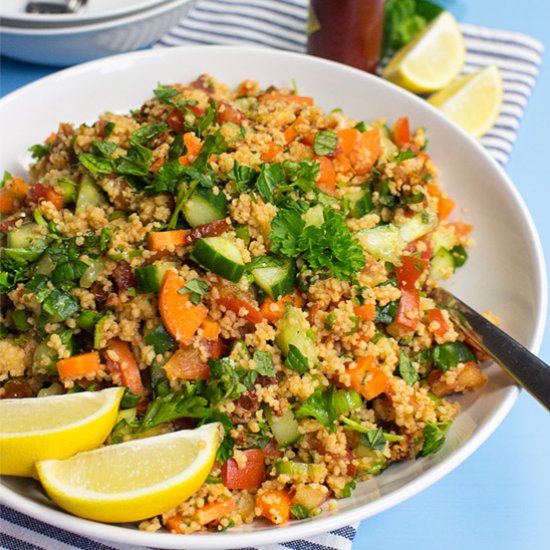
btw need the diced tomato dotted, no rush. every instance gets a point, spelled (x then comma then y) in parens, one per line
(175, 121)
(228, 113)
(422, 246)
(408, 312)
(125, 365)
(250, 476)
(410, 270)
(39, 192)
(401, 132)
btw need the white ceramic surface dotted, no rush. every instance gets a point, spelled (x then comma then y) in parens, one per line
(505, 273)
(66, 46)
(12, 13)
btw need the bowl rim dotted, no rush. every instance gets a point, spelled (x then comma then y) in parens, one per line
(304, 528)
(129, 19)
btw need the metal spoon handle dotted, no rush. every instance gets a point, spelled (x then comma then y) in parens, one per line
(524, 367)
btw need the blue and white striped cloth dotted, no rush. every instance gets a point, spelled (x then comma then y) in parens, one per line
(281, 24)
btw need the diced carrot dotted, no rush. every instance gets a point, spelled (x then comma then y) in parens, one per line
(180, 317)
(341, 163)
(56, 198)
(291, 133)
(215, 511)
(366, 152)
(164, 240)
(367, 378)
(326, 180)
(18, 188)
(435, 315)
(408, 312)
(241, 307)
(305, 100)
(250, 476)
(125, 365)
(272, 151)
(274, 505)
(79, 366)
(210, 329)
(445, 207)
(462, 229)
(50, 138)
(174, 523)
(410, 271)
(308, 138)
(7, 202)
(347, 139)
(433, 190)
(401, 132)
(186, 364)
(272, 310)
(193, 145)
(366, 312)
(469, 378)
(214, 348)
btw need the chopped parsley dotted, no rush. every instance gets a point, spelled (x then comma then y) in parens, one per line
(196, 290)
(325, 142)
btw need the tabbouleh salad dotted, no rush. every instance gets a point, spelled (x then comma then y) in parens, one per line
(246, 258)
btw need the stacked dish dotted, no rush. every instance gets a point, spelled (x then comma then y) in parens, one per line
(98, 29)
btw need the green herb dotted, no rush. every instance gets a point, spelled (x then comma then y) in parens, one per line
(318, 406)
(299, 511)
(225, 450)
(348, 488)
(459, 255)
(356, 322)
(264, 363)
(331, 319)
(243, 177)
(39, 151)
(270, 176)
(208, 119)
(160, 339)
(176, 148)
(129, 399)
(361, 126)
(404, 154)
(108, 129)
(95, 164)
(68, 271)
(330, 249)
(136, 161)
(11, 273)
(449, 355)
(434, 437)
(103, 148)
(165, 94)
(296, 361)
(60, 305)
(228, 382)
(403, 20)
(5, 178)
(196, 290)
(213, 479)
(386, 314)
(406, 369)
(325, 142)
(213, 144)
(149, 131)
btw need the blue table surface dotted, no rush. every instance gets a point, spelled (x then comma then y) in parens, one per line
(500, 497)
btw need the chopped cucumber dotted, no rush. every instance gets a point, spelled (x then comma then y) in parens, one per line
(220, 255)
(26, 243)
(89, 194)
(231, 132)
(284, 428)
(360, 201)
(276, 281)
(314, 216)
(243, 233)
(20, 320)
(45, 265)
(149, 278)
(444, 237)
(91, 274)
(98, 330)
(300, 469)
(293, 330)
(205, 206)
(345, 401)
(44, 359)
(442, 265)
(68, 187)
(418, 226)
(384, 242)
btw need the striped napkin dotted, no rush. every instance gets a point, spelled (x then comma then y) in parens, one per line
(281, 24)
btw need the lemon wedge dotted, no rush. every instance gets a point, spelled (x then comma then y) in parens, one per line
(474, 101)
(134, 480)
(432, 60)
(54, 427)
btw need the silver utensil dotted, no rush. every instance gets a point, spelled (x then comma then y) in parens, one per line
(55, 7)
(525, 368)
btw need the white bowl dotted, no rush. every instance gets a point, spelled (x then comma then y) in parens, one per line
(65, 46)
(505, 273)
(12, 13)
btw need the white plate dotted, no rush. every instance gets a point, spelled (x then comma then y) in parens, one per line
(12, 13)
(505, 273)
(70, 45)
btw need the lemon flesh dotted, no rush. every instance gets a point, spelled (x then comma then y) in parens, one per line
(474, 101)
(54, 427)
(432, 60)
(134, 480)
